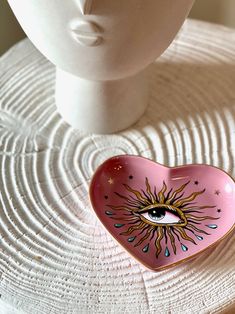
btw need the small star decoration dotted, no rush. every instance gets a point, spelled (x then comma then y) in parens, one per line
(110, 181)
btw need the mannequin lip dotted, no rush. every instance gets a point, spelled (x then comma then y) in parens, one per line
(86, 33)
(87, 39)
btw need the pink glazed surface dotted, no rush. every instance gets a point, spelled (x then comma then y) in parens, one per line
(125, 185)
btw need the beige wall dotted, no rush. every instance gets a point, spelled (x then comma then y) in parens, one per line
(218, 11)
(10, 31)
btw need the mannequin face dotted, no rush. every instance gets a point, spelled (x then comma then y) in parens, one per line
(101, 39)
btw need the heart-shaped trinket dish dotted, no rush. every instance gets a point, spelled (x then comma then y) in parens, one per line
(163, 216)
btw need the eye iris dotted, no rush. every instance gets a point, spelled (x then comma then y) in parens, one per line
(157, 214)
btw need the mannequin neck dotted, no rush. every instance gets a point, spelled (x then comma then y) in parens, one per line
(101, 106)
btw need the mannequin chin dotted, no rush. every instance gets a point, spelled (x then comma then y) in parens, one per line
(101, 40)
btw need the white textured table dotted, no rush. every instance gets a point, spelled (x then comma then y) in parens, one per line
(55, 257)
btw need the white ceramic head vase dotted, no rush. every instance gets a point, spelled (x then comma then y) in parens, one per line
(101, 49)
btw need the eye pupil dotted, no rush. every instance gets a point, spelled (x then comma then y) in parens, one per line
(157, 214)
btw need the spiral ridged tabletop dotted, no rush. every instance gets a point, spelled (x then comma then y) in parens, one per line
(55, 256)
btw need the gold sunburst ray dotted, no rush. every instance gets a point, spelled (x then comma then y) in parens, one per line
(146, 236)
(189, 198)
(161, 195)
(142, 231)
(129, 202)
(147, 196)
(148, 190)
(158, 241)
(168, 194)
(196, 207)
(155, 194)
(194, 222)
(174, 194)
(197, 218)
(125, 219)
(172, 239)
(137, 193)
(197, 229)
(184, 235)
(192, 211)
(130, 209)
(133, 228)
(136, 201)
(176, 199)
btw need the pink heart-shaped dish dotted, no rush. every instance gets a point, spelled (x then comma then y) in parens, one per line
(163, 216)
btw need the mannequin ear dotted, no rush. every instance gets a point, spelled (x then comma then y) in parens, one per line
(85, 6)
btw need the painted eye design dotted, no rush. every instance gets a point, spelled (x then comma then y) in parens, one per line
(161, 215)
(170, 214)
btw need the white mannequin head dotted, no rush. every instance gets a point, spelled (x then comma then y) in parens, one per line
(101, 39)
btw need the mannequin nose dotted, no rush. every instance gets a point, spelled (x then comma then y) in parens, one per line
(85, 6)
